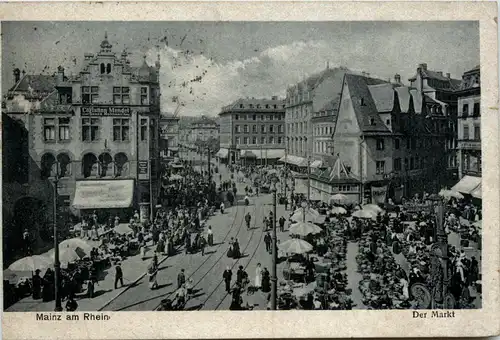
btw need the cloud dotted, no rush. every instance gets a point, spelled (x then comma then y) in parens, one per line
(204, 86)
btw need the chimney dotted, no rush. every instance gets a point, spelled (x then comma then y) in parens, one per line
(423, 66)
(60, 74)
(397, 78)
(327, 65)
(17, 75)
(448, 75)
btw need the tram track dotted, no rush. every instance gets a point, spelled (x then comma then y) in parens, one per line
(238, 262)
(233, 224)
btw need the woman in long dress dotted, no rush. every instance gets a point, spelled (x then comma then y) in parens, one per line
(258, 276)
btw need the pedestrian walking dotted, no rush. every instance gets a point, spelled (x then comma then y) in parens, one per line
(118, 275)
(210, 236)
(143, 252)
(202, 243)
(268, 240)
(258, 276)
(282, 224)
(227, 276)
(248, 218)
(181, 279)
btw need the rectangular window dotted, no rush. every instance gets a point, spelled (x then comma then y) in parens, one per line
(121, 95)
(254, 140)
(412, 163)
(380, 167)
(261, 117)
(465, 110)
(476, 111)
(245, 140)
(466, 132)
(144, 95)
(406, 164)
(380, 144)
(280, 140)
(120, 129)
(271, 140)
(271, 128)
(263, 129)
(64, 128)
(49, 129)
(397, 164)
(90, 129)
(262, 140)
(144, 129)
(477, 132)
(94, 94)
(396, 145)
(237, 140)
(85, 94)
(236, 117)
(254, 128)
(237, 129)
(271, 117)
(245, 129)
(254, 117)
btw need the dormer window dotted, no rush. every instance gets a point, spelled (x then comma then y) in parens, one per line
(362, 102)
(103, 68)
(241, 106)
(108, 68)
(372, 121)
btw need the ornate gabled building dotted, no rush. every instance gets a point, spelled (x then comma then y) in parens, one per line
(386, 143)
(98, 129)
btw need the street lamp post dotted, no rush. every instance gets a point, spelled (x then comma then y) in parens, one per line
(308, 179)
(274, 278)
(304, 206)
(57, 264)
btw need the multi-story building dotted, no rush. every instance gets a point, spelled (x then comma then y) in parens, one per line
(253, 130)
(469, 134)
(439, 94)
(203, 130)
(323, 125)
(98, 131)
(384, 143)
(302, 101)
(169, 135)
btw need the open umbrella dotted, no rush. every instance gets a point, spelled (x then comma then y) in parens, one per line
(364, 214)
(123, 229)
(74, 243)
(175, 177)
(338, 198)
(304, 229)
(295, 246)
(373, 207)
(338, 211)
(303, 291)
(308, 210)
(67, 255)
(308, 216)
(31, 263)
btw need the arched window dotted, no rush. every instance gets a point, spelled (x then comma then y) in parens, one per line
(89, 165)
(108, 68)
(103, 68)
(121, 165)
(47, 165)
(64, 161)
(105, 164)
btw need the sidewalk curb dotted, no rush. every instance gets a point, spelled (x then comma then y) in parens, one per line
(129, 286)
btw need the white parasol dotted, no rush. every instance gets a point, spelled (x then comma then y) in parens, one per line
(338, 198)
(450, 193)
(31, 263)
(123, 229)
(308, 210)
(373, 207)
(295, 246)
(304, 229)
(366, 214)
(307, 217)
(338, 211)
(175, 177)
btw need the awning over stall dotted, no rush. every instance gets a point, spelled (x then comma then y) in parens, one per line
(294, 160)
(467, 185)
(222, 153)
(269, 153)
(316, 164)
(103, 194)
(477, 192)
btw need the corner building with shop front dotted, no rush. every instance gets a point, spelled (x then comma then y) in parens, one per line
(98, 132)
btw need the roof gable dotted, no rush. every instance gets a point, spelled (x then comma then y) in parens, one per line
(40, 84)
(383, 96)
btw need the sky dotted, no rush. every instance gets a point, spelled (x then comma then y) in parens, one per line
(208, 65)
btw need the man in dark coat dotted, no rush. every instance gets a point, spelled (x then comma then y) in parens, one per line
(181, 279)
(268, 240)
(282, 224)
(227, 276)
(37, 285)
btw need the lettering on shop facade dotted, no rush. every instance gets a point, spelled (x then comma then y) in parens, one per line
(105, 111)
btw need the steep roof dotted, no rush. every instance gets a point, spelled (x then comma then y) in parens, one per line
(417, 100)
(363, 104)
(428, 74)
(338, 173)
(38, 83)
(383, 96)
(404, 97)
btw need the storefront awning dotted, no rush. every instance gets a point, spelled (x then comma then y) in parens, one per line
(222, 153)
(467, 184)
(103, 194)
(477, 192)
(294, 160)
(248, 154)
(269, 153)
